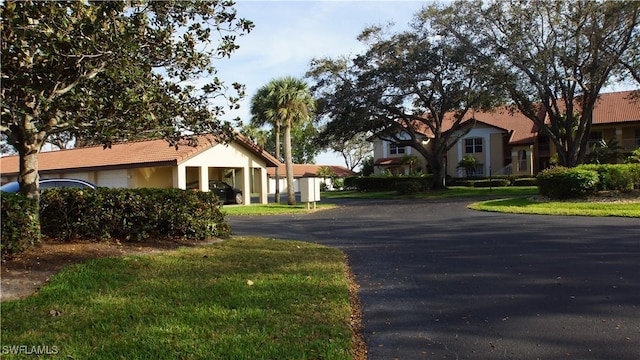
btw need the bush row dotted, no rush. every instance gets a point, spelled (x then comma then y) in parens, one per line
(401, 184)
(561, 182)
(616, 176)
(123, 214)
(19, 224)
(131, 214)
(496, 180)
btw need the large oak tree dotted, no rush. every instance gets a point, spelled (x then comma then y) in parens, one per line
(112, 70)
(553, 57)
(405, 86)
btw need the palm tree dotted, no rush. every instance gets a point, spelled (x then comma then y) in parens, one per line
(284, 102)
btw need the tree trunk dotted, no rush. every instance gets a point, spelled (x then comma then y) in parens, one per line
(28, 143)
(277, 126)
(438, 170)
(439, 178)
(28, 177)
(291, 194)
(28, 147)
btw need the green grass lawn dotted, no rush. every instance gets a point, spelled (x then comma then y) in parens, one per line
(244, 298)
(452, 191)
(516, 203)
(526, 206)
(273, 209)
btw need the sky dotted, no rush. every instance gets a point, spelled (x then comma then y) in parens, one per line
(288, 34)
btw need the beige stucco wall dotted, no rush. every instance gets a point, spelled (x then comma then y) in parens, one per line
(491, 155)
(209, 164)
(497, 152)
(151, 177)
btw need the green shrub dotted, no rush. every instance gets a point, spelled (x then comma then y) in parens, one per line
(401, 184)
(350, 182)
(410, 186)
(491, 183)
(131, 214)
(622, 177)
(500, 180)
(19, 224)
(524, 181)
(560, 182)
(338, 183)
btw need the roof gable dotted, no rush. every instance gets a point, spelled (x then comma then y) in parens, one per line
(126, 155)
(310, 170)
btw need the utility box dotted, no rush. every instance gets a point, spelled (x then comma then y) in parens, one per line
(309, 190)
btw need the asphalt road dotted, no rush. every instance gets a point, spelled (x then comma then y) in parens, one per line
(440, 281)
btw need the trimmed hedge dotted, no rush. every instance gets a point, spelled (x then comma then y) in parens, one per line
(561, 183)
(491, 183)
(401, 184)
(528, 181)
(131, 214)
(622, 177)
(19, 224)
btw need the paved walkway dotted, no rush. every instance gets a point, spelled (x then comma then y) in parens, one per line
(439, 281)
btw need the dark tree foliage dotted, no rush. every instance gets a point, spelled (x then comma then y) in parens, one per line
(104, 71)
(553, 57)
(410, 88)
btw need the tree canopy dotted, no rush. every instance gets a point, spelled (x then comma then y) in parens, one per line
(552, 57)
(409, 88)
(303, 151)
(112, 70)
(547, 59)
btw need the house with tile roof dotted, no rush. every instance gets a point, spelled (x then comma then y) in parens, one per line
(304, 171)
(156, 164)
(504, 141)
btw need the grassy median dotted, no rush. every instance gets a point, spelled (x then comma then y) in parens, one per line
(243, 298)
(528, 206)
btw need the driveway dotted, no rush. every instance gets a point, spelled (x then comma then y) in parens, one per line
(440, 281)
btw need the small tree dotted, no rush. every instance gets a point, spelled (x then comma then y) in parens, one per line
(326, 172)
(468, 164)
(634, 158)
(605, 152)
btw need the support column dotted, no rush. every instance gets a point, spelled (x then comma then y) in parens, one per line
(179, 174)
(487, 155)
(264, 185)
(530, 159)
(204, 178)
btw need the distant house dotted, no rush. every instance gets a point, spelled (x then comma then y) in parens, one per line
(156, 164)
(507, 142)
(304, 170)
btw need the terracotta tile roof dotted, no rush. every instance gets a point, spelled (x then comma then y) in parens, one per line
(610, 108)
(124, 155)
(521, 128)
(616, 108)
(310, 170)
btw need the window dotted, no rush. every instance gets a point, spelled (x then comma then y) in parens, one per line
(544, 144)
(394, 149)
(595, 139)
(473, 145)
(522, 160)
